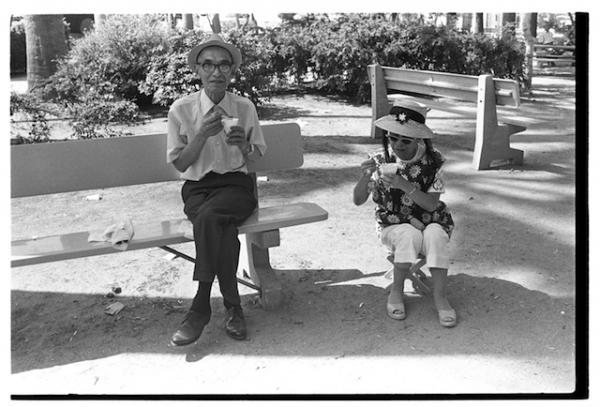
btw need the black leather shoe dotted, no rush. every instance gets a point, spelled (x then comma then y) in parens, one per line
(235, 324)
(190, 329)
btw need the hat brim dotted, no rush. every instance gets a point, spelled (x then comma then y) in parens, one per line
(409, 129)
(232, 49)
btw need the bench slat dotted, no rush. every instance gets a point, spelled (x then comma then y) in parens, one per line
(442, 84)
(168, 232)
(75, 165)
(469, 111)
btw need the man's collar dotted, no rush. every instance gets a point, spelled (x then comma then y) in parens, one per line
(206, 104)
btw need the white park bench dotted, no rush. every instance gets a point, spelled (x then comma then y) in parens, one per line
(49, 168)
(440, 90)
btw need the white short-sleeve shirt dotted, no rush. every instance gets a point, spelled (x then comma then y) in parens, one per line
(216, 155)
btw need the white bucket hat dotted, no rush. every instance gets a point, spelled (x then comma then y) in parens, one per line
(406, 118)
(215, 40)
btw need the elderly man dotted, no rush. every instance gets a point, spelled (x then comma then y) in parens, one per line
(211, 135)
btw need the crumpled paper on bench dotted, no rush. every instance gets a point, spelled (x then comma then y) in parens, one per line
(118, 234)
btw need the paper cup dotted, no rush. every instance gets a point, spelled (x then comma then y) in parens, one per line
(229, 122)
(388, 169)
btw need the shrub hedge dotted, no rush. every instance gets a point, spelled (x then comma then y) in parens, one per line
(332, 56)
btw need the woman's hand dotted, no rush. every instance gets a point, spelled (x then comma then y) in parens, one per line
(397, 182)
(368, 167)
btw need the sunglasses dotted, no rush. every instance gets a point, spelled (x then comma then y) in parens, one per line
(403, 140)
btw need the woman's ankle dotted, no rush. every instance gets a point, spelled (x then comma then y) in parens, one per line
(397, 289)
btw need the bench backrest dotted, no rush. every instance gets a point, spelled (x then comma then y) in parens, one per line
(484, 90)
(76, 165)
(442, 84)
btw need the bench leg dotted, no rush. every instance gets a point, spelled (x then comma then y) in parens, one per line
(492, 140)
(492, 148)
(257, 264)
(192, 260)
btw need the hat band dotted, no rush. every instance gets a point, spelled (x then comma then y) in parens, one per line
(403, 114)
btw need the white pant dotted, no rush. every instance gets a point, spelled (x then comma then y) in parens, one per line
(405, 242)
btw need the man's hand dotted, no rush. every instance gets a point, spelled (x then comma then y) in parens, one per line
(210, 125)
(237, 137)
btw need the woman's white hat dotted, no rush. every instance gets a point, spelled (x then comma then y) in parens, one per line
(406, 118)
(215, 40)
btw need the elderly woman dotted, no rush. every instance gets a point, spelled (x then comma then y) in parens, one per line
(406, 181)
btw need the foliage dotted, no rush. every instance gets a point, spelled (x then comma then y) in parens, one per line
(30, 108)
(93, 116)
(343, 49)
(346, 46)
(169, 76)
(97, 82)
(112, 60)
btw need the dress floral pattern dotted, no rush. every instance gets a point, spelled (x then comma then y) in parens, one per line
(394, 206)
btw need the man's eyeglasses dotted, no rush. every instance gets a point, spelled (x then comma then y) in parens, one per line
(209, 67)
(403, 140)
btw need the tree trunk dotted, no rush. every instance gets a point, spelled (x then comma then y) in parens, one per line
(479, 23)
(46, 42)
(529, 27)
(215, 24)
(99, 20)
(451, 19)
(508, 24)
(509, 18)
(188, 21)
(467, 21)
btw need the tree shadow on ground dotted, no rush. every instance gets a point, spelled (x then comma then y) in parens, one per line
(346, 301)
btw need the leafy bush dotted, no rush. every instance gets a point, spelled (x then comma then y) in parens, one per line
(30, 109)
(255, 78)
(170, 78)
(343, 49)
(97, 82)
(111, 60)
(92, 117)
(339, 51)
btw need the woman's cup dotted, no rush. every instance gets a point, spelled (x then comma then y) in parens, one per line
(388, 169)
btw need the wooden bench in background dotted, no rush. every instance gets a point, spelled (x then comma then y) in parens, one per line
(56, 167)
(558, 55)
(440, 90)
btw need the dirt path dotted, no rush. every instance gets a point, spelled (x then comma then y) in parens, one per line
(512, 280)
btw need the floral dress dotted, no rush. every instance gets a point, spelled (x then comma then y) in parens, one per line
(394, 206)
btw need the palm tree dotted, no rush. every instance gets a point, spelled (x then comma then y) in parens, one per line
(45, 42)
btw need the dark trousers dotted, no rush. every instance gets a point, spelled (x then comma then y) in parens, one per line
(216, 205)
